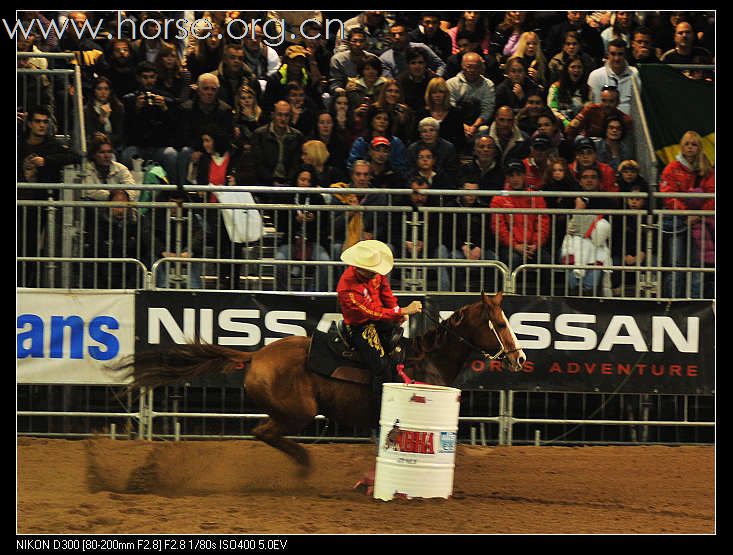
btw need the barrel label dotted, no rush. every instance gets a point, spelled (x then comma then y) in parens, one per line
(409, 441)
(447, 442)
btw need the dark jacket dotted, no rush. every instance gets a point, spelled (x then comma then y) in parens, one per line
(307, 119)
(505, 95)
(229, 85)
(206, 63)
(568, 185)
(338, 149)
(388, 179)
(266, 150)
(316, 229)
(93, 125)
(446, 159)
(440, 43)
(451, 128)
(194, 120)
(560, 221)
(414, 90)
(122, 76)
(56, 156)
(474, 227)
(590, 40)
(399, 238)
(150, 126)
(491, 180)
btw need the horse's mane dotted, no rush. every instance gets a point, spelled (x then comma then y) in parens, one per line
(436, 337)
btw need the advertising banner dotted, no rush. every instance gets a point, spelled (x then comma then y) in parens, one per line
(599, 345)
(572, 344)
(69, 336)
(246, 321)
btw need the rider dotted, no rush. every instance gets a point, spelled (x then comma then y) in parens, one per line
(369, 307)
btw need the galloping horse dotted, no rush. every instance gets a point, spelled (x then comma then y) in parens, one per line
(279, 384)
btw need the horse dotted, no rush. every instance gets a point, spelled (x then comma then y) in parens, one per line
(277, 381)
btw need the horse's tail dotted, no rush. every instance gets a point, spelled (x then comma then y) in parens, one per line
(183, 362)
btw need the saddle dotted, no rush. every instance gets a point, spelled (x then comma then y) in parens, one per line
(332, 355)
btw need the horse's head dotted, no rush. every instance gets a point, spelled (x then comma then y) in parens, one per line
(493, 333)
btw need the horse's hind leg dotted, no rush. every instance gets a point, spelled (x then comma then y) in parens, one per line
(272, 432)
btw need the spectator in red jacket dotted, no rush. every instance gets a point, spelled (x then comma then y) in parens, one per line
(690, 172)
(522, 237)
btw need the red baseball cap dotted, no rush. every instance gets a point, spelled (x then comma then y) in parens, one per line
(377, 141)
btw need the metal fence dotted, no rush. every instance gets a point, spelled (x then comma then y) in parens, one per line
(487, 417)
(53, 88)
(86, 245)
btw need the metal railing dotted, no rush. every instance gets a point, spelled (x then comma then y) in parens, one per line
(488, 417)
(90, 232)
(70, 114)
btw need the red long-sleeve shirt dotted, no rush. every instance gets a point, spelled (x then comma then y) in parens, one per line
(677, 178)
(514, 229)
(364, 300)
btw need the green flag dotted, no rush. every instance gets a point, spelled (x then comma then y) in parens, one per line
(674, 104)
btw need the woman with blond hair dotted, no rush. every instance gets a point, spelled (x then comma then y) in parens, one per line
(315, 153)
(690, 172)
(437, 106)
(248, 114)
(529, 51)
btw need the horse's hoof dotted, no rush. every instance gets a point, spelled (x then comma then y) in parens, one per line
(304, 469)
(366, 481)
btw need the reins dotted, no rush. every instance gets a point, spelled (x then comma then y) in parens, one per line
(500, 354)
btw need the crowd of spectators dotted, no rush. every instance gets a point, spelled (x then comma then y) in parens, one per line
(443, 100)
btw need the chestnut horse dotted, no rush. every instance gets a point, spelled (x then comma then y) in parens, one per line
(277, 381)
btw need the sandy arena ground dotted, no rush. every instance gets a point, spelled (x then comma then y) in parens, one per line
(103, 486)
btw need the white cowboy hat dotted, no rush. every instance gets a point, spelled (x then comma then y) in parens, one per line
(370, 255)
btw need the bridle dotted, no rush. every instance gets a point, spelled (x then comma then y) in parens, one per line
(501, 354)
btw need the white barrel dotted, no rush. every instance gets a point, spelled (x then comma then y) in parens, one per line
(417, 441)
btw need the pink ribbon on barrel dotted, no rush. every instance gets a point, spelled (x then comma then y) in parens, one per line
(407, 379)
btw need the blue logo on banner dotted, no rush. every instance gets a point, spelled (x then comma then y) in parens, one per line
(31, 344)
(447, 442)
